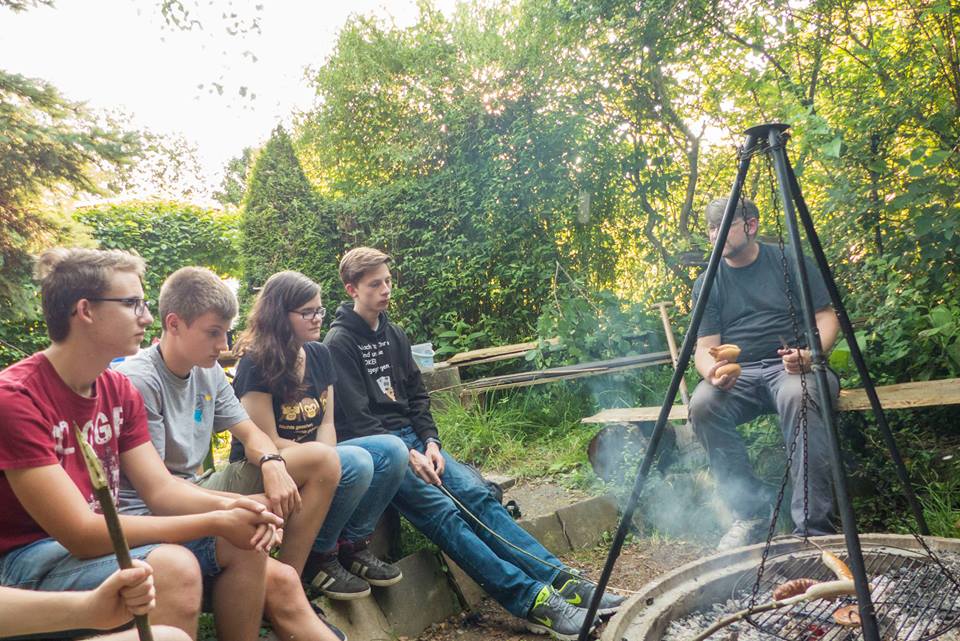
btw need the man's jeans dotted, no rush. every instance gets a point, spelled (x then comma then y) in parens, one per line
(512, 578)
(371, 470)
(764, 387)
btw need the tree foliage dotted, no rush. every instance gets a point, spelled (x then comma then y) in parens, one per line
(485, 148)
(236, 175)
(285, 225)
(46, 143)
(169, 235)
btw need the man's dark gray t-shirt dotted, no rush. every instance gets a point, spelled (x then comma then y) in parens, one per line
(748, 306)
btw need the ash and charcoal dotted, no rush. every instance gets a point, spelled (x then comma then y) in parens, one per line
(914, 600)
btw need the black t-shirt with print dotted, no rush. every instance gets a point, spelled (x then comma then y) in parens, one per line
(298, 420)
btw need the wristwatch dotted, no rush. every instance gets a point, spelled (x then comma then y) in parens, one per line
(433, 439)
(271, 457)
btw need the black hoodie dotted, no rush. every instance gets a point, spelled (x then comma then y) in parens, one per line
(379, 387)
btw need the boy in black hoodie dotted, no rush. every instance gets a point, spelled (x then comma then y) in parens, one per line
(379, 390)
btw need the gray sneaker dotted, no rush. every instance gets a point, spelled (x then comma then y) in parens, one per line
(577, 591)
(742, 532)
(333, 580)
(360, 561)
(552, 615)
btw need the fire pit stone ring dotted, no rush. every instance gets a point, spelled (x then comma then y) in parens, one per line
(705, 582)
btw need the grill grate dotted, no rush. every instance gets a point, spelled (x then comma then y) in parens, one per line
(914, 597)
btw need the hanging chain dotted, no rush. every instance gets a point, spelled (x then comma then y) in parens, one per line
(800, 430)
(795, 324)
(936, 559)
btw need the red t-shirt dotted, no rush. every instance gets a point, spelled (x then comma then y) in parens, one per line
(37, 415)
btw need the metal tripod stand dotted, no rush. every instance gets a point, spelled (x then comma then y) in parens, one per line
(771, 139)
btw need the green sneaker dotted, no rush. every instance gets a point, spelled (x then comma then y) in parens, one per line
(552, 615)
(578, 592)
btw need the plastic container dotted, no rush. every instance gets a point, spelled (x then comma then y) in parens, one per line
(423, 355)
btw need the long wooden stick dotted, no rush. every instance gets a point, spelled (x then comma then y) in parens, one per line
(102, 491)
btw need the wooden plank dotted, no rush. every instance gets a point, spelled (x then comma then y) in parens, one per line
(630, 414)
(502, 352)
(475, 390)
(905, 395)
(892, 397)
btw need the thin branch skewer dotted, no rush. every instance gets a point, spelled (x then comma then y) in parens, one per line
(101, 490)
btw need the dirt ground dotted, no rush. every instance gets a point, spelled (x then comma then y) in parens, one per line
(640, 562)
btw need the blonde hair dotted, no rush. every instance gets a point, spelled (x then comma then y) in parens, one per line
(69, 274)
(191, 292)
(358, 261)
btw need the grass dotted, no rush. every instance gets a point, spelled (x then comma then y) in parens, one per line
(532, 433)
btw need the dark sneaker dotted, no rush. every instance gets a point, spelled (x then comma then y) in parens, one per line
(742, 532)
(337, 632)
(577, 591)
(332, 579)
(550, 614)
(360, 561)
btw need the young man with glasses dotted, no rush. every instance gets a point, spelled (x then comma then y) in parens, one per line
(749, 306)
(52, 537)
(188, 398)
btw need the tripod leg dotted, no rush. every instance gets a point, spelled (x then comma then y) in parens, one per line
(868, 617)
(683, 360)
(856, 354)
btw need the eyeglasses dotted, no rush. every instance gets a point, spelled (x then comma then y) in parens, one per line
(138, 304)
(310, 314)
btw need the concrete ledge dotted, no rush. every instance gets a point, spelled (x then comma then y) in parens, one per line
(425, 596)
(585, 523)
(469, 591)
(361, 619)
(549, 531)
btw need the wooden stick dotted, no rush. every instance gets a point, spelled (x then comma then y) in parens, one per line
(672, 344)
(101, 490)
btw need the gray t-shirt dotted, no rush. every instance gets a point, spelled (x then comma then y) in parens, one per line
(182, 413)
(748, 306)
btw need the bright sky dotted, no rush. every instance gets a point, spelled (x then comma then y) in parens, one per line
(119, 55)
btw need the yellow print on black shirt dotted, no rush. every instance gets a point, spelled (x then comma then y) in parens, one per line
(303, 415)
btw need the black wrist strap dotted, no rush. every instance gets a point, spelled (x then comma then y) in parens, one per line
(271, 457)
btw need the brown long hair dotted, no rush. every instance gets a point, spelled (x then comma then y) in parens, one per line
(269, 340)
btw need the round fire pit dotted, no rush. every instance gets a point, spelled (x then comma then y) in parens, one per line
(703, 584)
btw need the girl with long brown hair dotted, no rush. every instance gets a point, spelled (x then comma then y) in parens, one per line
(285, 382)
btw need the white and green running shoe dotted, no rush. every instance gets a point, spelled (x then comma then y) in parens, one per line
(578, 592)
(552, 615)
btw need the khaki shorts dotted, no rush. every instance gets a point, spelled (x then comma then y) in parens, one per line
(240, 477)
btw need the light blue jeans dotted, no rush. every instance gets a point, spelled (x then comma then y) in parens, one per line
(371, 468)
(509, 576)
(47, 566)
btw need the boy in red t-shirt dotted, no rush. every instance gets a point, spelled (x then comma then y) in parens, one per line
(52, 537)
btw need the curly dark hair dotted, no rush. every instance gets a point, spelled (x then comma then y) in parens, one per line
(269, 340)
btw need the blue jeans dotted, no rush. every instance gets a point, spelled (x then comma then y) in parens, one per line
(512, 578)
(48, 566)
(371, 468)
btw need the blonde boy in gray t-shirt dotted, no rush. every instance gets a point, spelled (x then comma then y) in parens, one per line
(187, 398)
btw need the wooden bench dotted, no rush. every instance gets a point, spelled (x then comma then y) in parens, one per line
(892, 397)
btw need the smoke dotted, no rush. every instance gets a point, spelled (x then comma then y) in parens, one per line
(679, 498)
